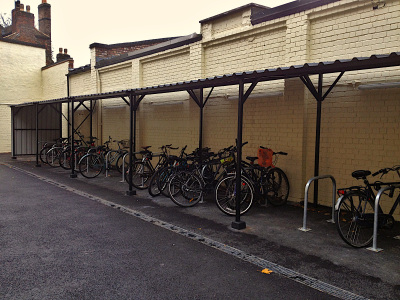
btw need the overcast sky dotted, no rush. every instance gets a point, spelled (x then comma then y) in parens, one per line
(78, 23)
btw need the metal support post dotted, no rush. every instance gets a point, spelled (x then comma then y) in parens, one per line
(72, 175)
(132, 136)
(37, 135)
(238, 224)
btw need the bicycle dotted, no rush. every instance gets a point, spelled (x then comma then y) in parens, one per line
(54, 153)
(354, 210)
(114, 158)
(159, 180)
(143, 169)
(269, 183)
(93, 163)
(187, 187)
(79, 151)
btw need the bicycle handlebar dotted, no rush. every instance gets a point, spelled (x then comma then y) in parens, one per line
(387, 170)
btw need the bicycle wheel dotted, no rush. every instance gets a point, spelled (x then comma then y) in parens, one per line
(185, 189)
(53, 156)
(42, 154)
(91, 165)
(276, 187)
(354, 219)
(153, 184)
(65, 159)
(225, 195)
(141, 175)
(164, 178)
(112, 156)
(120, 162)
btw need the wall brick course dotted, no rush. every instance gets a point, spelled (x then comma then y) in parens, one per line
(360, 129)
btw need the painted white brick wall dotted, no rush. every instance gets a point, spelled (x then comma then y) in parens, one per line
(20, 81)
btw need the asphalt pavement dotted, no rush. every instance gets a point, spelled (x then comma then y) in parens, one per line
(75, 238)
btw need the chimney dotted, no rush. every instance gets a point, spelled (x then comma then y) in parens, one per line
(45, 18)
(44, 10)
(21, 19)
(62, 56)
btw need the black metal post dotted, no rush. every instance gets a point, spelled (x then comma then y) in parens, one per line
(201, 120)
(72, 175)
(238, 224)
(318, 137)
(37, 134)
(91, 120)
(13, 151)
(132, 142)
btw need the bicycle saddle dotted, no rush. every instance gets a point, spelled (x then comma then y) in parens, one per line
(146, 147)
(252, 158)
(360, 174)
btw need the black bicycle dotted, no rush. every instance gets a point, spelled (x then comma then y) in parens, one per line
(354, 211)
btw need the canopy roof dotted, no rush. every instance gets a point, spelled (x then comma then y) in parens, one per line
(340, 65)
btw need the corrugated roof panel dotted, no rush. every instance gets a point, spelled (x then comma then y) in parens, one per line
(339, 65)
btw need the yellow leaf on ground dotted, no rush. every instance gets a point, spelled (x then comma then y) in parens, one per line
(266, 271)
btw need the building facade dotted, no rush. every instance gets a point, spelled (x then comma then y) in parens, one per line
(360, 117)
(360, 126)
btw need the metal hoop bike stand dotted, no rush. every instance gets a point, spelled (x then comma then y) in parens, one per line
(123, 166)
(377, 199)
(332, 220)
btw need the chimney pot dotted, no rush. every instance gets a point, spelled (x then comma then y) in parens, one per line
(65, 51)
(60, 50)
(44, 1)
(21, 7)
(28, 8)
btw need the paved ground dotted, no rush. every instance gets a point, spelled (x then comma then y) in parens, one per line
(271, 239)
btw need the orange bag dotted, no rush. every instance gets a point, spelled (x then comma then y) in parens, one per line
(265, 157)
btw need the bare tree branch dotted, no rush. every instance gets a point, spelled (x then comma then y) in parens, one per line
(5, 20)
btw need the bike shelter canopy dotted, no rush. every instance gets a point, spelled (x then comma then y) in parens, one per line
(133, 97)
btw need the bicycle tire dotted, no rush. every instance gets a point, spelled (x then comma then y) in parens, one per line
(153, 184)
(65, 160)
(276, 187)
(164, 178)
(225, 195)
(354, 219)
(141, 175)
(120, 162)
(91, 165)
(113, 156)
(185, 189)
(42, 154)
(53, 156)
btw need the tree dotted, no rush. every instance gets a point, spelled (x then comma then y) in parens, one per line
(5, 20)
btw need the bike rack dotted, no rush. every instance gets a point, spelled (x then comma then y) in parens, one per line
(377, 199)
(107, 155)
(304, 228)
(123, 166)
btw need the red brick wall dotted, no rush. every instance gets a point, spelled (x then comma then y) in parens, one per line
(102, 53)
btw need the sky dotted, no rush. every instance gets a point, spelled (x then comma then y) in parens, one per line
(78, 23)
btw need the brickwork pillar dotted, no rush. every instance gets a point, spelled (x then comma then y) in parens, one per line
(297, 40)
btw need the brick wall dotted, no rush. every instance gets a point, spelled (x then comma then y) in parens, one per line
(360, 128)
(22, 83)
(108, 51)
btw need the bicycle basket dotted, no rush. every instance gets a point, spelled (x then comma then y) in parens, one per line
(265, 157)
(125, 144)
